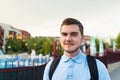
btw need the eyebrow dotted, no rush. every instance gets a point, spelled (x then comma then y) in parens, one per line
(69, 33)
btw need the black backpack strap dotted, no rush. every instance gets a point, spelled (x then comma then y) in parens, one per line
(92, 67)
(53, 66)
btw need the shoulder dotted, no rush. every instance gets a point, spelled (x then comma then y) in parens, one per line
(46, 71)
(102, 70)
(49, 63)
(100, 64)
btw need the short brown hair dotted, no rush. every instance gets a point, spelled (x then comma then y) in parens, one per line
(69, 21)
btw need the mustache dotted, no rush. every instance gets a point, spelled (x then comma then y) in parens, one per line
(69, 43)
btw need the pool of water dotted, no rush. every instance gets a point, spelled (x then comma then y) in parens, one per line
(23, 62)
(11, 62)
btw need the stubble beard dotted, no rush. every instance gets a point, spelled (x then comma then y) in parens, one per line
(72, 51)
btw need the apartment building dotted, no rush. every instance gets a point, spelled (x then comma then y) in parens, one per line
(8, 31)
(1, 36)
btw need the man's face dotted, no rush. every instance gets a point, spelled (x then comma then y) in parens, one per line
(70, 38)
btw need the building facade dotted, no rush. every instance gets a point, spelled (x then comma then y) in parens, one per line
(8, 31)
(1, 36)
(25, 35)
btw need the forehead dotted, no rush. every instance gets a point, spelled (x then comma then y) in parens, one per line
(70, 28)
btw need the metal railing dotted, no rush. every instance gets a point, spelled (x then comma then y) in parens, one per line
(36, 72)
(109, 57)
(23, 73)
(22, 69)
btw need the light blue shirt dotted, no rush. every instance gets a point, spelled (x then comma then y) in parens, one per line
(75, 69)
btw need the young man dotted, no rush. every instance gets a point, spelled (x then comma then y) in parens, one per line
(73, 64)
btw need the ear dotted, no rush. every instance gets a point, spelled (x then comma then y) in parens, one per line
(82, 38)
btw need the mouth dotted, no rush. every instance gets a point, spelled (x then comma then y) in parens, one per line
(69, 44)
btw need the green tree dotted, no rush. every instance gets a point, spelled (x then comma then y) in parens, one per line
(118, 41)
(14, 45)
(97, 44)
(42, 45)
(59, 48)
(111, 41)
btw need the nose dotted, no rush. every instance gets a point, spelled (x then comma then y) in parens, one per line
(68, 37)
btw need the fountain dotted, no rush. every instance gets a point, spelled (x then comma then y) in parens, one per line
(93, 47)
(101, 48)
(22, 66)
(17, 61)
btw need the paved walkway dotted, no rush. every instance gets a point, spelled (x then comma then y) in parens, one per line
(115, 74)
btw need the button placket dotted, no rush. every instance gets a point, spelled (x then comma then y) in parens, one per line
(70, 70)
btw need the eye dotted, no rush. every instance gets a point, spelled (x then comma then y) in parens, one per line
(74, 34)
(64, 34)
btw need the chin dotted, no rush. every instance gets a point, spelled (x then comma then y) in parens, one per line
(72, 50)
(69, 51)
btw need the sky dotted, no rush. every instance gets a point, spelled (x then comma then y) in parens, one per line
(43, 17)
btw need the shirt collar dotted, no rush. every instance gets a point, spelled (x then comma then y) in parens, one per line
(78, 59)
